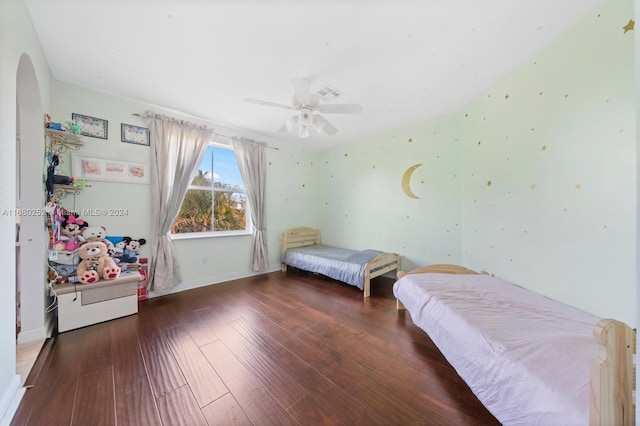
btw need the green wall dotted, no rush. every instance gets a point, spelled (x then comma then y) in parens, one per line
(533, 181)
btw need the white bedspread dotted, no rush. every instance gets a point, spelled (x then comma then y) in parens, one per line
(526, 357)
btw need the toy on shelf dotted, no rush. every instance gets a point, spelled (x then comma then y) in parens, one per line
(80, 183)
(96, 263)
(74, 126)
(64, 265)
(131, 249)
(93, 233)
(71, 228)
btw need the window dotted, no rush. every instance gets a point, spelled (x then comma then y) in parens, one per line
(215, 202)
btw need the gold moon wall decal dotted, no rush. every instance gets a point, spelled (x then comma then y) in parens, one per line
(406, 181)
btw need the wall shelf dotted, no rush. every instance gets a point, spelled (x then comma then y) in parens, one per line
(58, 142)
(62, 141)
(61, 191)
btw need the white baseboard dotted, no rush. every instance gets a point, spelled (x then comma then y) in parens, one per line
(27, 336)
(10, 401)
(209, 281)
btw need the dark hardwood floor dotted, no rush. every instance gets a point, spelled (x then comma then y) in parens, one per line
(277, 349)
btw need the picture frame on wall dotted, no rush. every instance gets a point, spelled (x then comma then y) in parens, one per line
(98, 168)
(92, 126)
(134, 134)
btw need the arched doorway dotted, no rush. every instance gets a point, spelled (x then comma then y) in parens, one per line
(30, 240)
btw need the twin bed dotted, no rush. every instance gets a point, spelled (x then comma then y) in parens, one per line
(529, 359)
(301, 249)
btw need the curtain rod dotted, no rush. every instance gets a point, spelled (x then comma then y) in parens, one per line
(222, 136)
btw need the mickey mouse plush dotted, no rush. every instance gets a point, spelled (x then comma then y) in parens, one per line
(131, 249)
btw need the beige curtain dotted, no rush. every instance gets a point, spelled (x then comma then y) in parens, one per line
(177, 148)
(251, 162)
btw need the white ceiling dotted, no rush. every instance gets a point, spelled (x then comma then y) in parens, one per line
(404, 61)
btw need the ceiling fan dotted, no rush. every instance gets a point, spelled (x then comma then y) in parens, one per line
(308, 109)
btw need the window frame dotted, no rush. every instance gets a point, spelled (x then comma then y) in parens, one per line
(213, 189)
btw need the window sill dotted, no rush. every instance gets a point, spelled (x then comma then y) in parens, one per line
(198, 235)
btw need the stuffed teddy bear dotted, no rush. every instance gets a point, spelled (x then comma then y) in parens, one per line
(70, 229)
(93, 233)
(96, 263)
(131, 249)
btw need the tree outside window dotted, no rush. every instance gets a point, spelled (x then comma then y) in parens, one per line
(215, 201)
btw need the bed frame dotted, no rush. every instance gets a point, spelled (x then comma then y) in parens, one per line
(381, 264)
(613, 370)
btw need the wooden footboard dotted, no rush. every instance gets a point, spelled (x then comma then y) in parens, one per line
(381, 264)
(613, 375)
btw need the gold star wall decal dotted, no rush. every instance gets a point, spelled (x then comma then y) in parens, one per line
(544, 147)
(488, 183)
(533, 186)
(578, 186)
(630, 26)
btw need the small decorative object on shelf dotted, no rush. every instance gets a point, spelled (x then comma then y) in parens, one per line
(75, 127)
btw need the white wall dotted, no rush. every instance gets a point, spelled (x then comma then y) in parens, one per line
(17, 37)
(228, 257)
(477, 207)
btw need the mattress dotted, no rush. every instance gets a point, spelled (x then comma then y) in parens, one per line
(526, 357)
(338, 263)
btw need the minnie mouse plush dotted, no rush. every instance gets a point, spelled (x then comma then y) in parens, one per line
(70, 228)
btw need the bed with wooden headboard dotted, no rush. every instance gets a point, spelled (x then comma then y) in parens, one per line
(301, 248)
(528, 359)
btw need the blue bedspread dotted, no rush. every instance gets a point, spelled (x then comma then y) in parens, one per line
(340, 264)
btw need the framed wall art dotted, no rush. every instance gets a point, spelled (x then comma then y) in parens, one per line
(95, 168)
(92, 126)
(134, 134)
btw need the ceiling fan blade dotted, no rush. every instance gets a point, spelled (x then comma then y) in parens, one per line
(272, 104)
(340, 108)
(301, 89)
(322, 125)
(290, 123)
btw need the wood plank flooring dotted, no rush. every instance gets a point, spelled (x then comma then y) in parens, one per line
(277, 349)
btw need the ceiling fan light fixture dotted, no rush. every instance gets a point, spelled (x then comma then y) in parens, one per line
(309, 110)
(306, 118)
(303, 131)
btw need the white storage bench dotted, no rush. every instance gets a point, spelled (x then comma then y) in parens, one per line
(80, 305)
